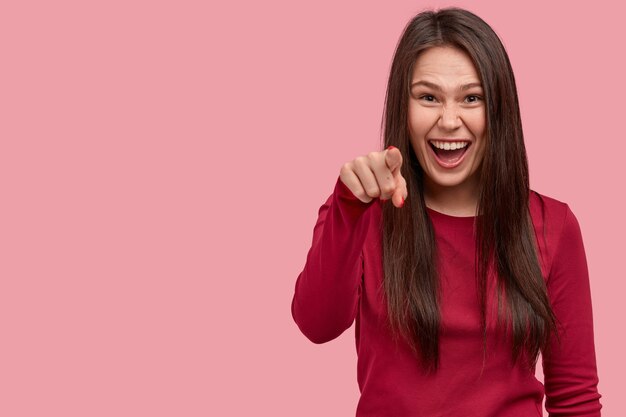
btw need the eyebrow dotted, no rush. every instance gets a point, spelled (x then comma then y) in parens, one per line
(438, 88)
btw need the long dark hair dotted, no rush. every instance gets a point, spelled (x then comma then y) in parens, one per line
(505, 240)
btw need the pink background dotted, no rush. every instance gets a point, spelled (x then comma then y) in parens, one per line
(162, 164)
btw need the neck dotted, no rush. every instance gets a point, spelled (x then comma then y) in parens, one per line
(460, 200)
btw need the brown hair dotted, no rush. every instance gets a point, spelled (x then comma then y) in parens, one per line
(505, 242)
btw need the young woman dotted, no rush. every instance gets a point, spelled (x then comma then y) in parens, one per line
(467, 275)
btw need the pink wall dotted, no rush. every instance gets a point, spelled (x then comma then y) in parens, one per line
(162, 164)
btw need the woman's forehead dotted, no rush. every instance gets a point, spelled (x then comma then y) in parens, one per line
(444, 65)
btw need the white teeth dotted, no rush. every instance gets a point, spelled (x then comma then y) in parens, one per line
(449, 145)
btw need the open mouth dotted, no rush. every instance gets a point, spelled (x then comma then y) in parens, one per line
(449, 154)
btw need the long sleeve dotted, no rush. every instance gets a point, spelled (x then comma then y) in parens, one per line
(569, 368)
(327, 290)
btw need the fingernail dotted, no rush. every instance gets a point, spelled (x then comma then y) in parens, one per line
(384, 200)
(402, 203)
(391, 147)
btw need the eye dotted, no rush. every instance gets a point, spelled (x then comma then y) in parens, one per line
(475, 97)
(428, 97)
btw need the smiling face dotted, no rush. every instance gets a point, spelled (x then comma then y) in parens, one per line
(447, 120)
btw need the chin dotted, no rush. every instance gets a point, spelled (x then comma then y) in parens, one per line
(451, 180)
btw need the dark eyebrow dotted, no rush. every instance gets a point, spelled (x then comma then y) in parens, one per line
(438, 88)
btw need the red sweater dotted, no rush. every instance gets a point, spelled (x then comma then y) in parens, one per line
(340, 282)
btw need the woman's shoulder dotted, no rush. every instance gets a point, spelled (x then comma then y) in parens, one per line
(544, 208)
(552, 220)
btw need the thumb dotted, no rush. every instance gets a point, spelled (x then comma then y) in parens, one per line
(393, 159)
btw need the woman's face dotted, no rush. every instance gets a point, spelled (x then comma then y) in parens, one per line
(447, 110)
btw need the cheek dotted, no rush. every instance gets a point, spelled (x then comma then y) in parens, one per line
(420, 121)
(477, 123)
(480, 155)
(421, 153)
(416, 133)
(481, 148)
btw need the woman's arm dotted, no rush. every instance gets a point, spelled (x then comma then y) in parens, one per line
(569, 368)
(327, 290)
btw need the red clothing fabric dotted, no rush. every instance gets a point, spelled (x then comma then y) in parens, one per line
(342, 282)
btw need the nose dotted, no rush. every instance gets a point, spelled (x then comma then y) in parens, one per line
(449, 118)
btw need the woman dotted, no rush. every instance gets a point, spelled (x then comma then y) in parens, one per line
(460, 282)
